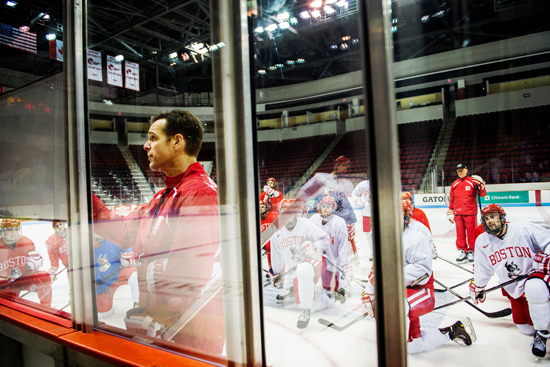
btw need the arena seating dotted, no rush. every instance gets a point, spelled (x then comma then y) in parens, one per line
(502, 147)
(416, 141)
(110, 169)
(207, 153)
(288, 160)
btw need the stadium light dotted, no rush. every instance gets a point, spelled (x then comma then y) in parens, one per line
(342, 4)
(11, 4)
(284, 25)
(51, 37)
(305, 15)
(259, 30)
(272, 68)
(316, 13)
(272, 27)
(300, 61)
(173, 55)
(261, 71)
(317, 4)
(119, 58)
(283, 16)
(329, 10)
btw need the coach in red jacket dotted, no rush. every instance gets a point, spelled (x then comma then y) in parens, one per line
(175, 237)
(463, 210)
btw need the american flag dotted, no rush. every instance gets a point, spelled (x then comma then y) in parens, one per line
(13, 37)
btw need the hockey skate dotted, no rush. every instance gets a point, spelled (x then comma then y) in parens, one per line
(462, 257)
(539, 344)
(470, 256)
(340, 295)
(461, 332)
(303, 320)
(285, 294)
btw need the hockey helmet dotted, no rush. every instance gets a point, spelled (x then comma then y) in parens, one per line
(60, 228)
(407, 195)
(271, 179)
(11, 230)
(327, 206)
(486, 214)
(342, 164)
(407, 212)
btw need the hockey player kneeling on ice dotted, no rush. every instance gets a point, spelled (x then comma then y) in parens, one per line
(334, 283)
(298, 245)
(511, 250)
(418, 276)
(20, 264)
(113, 267)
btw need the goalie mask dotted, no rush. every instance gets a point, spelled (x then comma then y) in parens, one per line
(11, 231)
(327, 206)
(493, 219)
(264, 209)
(407, 212)
(60, 229)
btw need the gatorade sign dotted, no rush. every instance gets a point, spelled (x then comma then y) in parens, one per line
(506, 197)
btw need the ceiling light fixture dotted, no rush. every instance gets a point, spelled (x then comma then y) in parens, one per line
(317, 4)
(316, 13)
(51, 37)
(305, 15)
(119, 58)
(283, 16)
(11, 4)
(284, 25)
(173, 55)
(271, 27)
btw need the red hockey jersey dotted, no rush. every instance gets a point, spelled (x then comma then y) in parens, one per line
(58, 249)
(15, 260)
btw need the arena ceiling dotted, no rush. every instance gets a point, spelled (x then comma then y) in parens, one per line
(301, 45)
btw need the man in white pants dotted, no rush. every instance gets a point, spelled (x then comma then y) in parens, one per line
(298, 245)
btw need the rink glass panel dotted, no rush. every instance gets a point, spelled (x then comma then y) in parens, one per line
(33, 146)
(297, 50)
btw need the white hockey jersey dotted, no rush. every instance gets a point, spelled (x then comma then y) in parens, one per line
(361, 197)
(514, 255)
(326, 180)
(338, 251)
(417, 256)
(420, 227)
(284, 242)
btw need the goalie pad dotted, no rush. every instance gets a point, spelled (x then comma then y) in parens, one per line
(138, 321)
(154, 271)
(34, 260)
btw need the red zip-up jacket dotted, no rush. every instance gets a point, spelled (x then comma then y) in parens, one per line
(186, 232)
(463, 197)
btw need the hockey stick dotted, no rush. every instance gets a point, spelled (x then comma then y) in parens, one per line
(454, 286)
(341, 328)
(521, 277)
(342, 272)
(7, 283)
(455, 264)
(280, 275)
(199, 304)
(492, 315)
(420, 278)
(110, 275)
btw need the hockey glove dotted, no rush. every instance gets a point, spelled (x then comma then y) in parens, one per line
(34, 260)
(478, 181)
(53, 272)
(268, 190)
(154, 271)
(309, 250)
(275, 279)
(542, 263)
(477, 294)
(451, 216)
(128, 259)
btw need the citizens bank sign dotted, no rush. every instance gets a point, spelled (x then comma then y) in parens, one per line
(506, 197)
